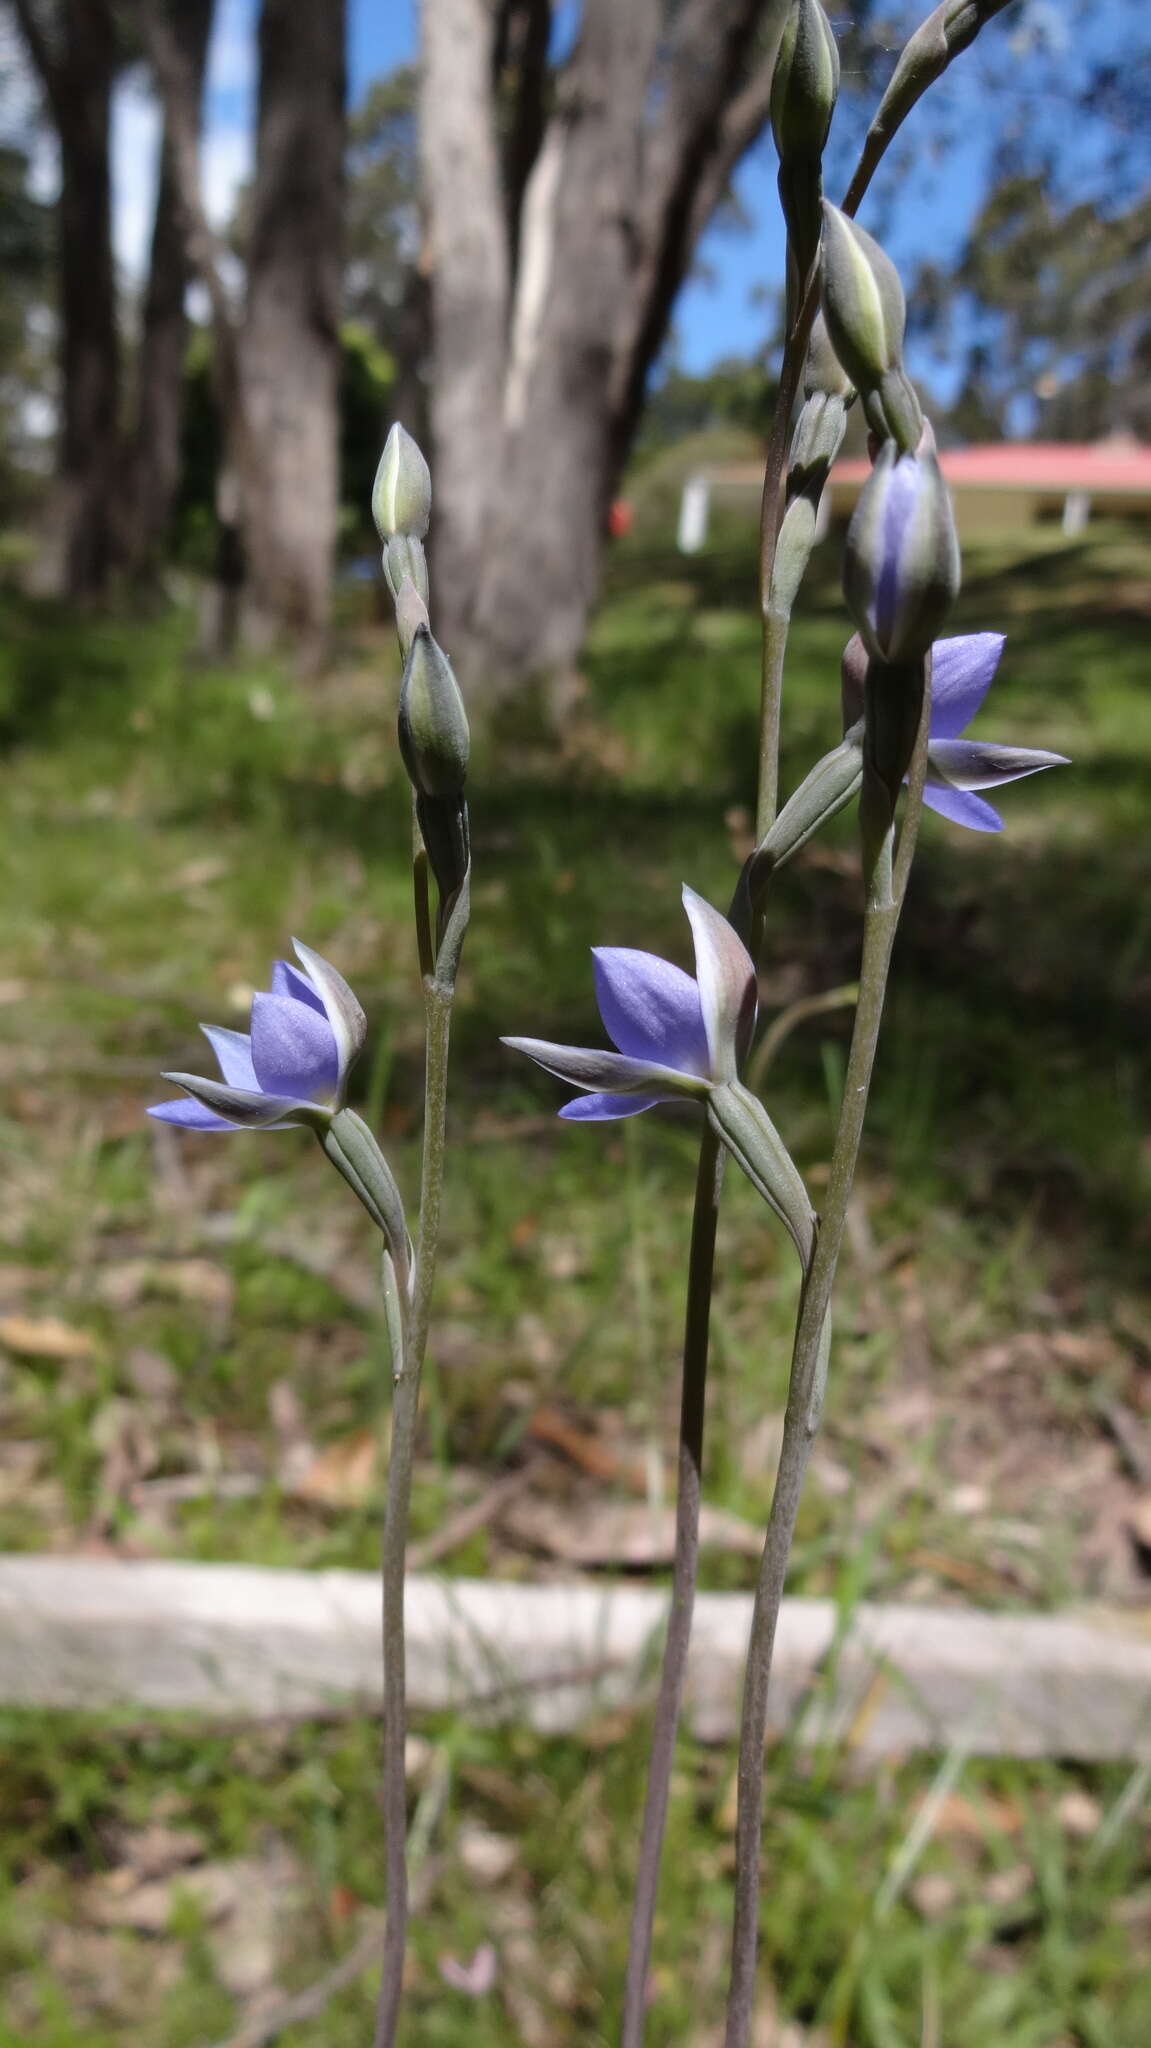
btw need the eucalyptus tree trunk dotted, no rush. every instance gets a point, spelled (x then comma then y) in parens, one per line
(153, 465)
(563, 210)
(275, 343)
(72, 44)
(288, 357)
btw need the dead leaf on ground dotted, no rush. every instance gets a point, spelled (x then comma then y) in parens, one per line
(196, 874)
(486, 1856)
(244, 1905)
(16, 1280)
(157, 1849)
(1007, 1887)
(589, 1449)
(199, 1281)
(344, 1474)
(933, 1894)
(1079, 1814)
(151, 1376)
(1139, 1530)
(45, 1337)
(978, 1820)
(124, 1898)
(620, 1533)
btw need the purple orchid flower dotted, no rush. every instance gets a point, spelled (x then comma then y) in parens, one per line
(676, 1037)
(292, 1068)
(962, 671)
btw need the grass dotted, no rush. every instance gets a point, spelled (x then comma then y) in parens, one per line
(163, 828)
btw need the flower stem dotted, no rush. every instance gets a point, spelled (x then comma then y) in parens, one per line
(775, 628)
(438, 997)
(701, 1263)
(886, 891)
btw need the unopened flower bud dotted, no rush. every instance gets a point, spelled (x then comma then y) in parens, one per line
(863, 301)
(946, 31)
(805, 82)
(823, 373)
(402, 492)
(901, 568)
(433, 724)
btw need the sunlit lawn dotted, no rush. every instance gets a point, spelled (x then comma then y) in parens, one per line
(163, 830)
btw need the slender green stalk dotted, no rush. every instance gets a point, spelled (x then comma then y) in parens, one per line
(770, 520)
(886, 889)
(701, 1263)
(405, 1412)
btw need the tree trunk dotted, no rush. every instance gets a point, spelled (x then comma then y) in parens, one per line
(75, 56)
(153, 467)
(552, 287)
(288, 357)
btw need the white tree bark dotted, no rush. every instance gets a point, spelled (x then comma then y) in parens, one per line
(552, 287)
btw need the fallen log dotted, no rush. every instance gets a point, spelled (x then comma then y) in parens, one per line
(237, 1640)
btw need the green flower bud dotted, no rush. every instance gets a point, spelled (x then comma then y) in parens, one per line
(939, 39)
(805, 82)
(901, 565)
(823, 373)
(863, 300)
(433, 724)
(402, 492)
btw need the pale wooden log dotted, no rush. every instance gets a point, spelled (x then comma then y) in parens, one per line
(234, 1639)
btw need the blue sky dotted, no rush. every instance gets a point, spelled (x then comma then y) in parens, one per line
(721, 310)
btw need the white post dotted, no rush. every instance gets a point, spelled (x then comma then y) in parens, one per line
(693, 511)
(1076, 512)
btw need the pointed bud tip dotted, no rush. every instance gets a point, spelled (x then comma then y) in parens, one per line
(402, 492)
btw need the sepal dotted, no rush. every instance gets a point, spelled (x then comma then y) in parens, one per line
(726, 979)
(354, 1153)
(829, 788)
(742, 1123)
(247, 1109)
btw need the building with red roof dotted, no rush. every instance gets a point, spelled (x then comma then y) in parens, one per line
(1002, 487)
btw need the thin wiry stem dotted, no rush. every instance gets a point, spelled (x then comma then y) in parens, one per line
(701, 1265)
(405, 1413)
(886, 891)
(770, 520)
